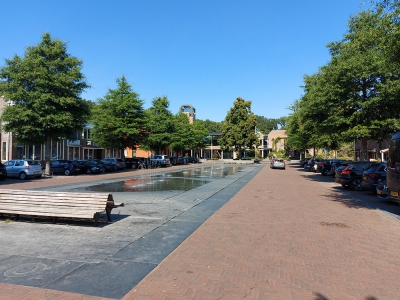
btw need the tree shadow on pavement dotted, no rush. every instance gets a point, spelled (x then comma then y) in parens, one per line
(350, 198)
(319, 296)
(103, 222)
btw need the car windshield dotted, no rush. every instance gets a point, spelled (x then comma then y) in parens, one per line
(376, 167)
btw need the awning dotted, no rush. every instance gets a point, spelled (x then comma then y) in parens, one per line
(385, 150)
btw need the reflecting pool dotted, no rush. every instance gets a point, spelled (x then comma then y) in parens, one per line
(182, 180)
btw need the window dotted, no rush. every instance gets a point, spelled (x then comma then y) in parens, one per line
(87, 134)
(73, 153)
(88, 153)
(4, 151)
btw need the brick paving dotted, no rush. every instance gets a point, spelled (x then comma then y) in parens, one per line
(283, 236)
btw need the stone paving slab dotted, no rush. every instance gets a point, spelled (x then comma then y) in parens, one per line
(108, 260)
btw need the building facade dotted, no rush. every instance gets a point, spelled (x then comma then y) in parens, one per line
(190, 111)
(78, 146)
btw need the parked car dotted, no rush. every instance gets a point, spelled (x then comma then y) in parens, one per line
(278, 163)
(371, 177)
(103, 167)
(117, 163)
(351, 175)
(88, 167)
(303, 161)
(173, 160)
(182, 160)
(133, 162)
(192, 159)
(3, 172)
(163, 160)
(310, 165)
(381, 189)
(23, 168)
(325, 166)
(66, 167)
(338, 166)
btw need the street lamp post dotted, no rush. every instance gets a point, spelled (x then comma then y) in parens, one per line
(211, 149)
(8, 149)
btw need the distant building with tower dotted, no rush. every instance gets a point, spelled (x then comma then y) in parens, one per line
(190, 111)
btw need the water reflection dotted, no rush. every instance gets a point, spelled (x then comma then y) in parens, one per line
(183, 180)
(212, 172)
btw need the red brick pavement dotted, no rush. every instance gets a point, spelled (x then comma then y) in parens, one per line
(283, 236)
(13, 292)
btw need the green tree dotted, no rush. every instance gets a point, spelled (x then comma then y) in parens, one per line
(211, 126)
(187, 136)
(357, 94)
(363, 82)
(266, 125)
(119, 118)
(45, 86)
(198, 135)
(299, 137)
(238, 128)
(160, 125)
(180, 138)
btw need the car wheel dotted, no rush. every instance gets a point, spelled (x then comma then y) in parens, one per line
(67, 172)
(89, 171)
(22, 175)
(355, 184)
(2, 178)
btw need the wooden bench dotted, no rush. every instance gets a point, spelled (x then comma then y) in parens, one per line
(56, 204)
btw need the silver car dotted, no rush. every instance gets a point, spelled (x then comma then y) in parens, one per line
(23, 168)
(278, 163)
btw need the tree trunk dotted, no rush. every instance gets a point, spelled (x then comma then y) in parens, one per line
(364, 146)
(47, 156)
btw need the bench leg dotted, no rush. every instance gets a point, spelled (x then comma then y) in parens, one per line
(108, 211)
(54, 220)
(96, 218)
(16, 217)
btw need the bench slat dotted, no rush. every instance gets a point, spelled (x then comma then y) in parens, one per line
(43, 207)
(48, 214)
(24, 192)
(56, 204)
(62, 202)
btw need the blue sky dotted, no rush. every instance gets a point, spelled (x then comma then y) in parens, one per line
(200, 52)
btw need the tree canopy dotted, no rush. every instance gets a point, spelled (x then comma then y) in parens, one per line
(266, 125)
(211, 126)
(238, 128)
(160, 125)
(45, 87)
(119, 118)
(357, 94)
